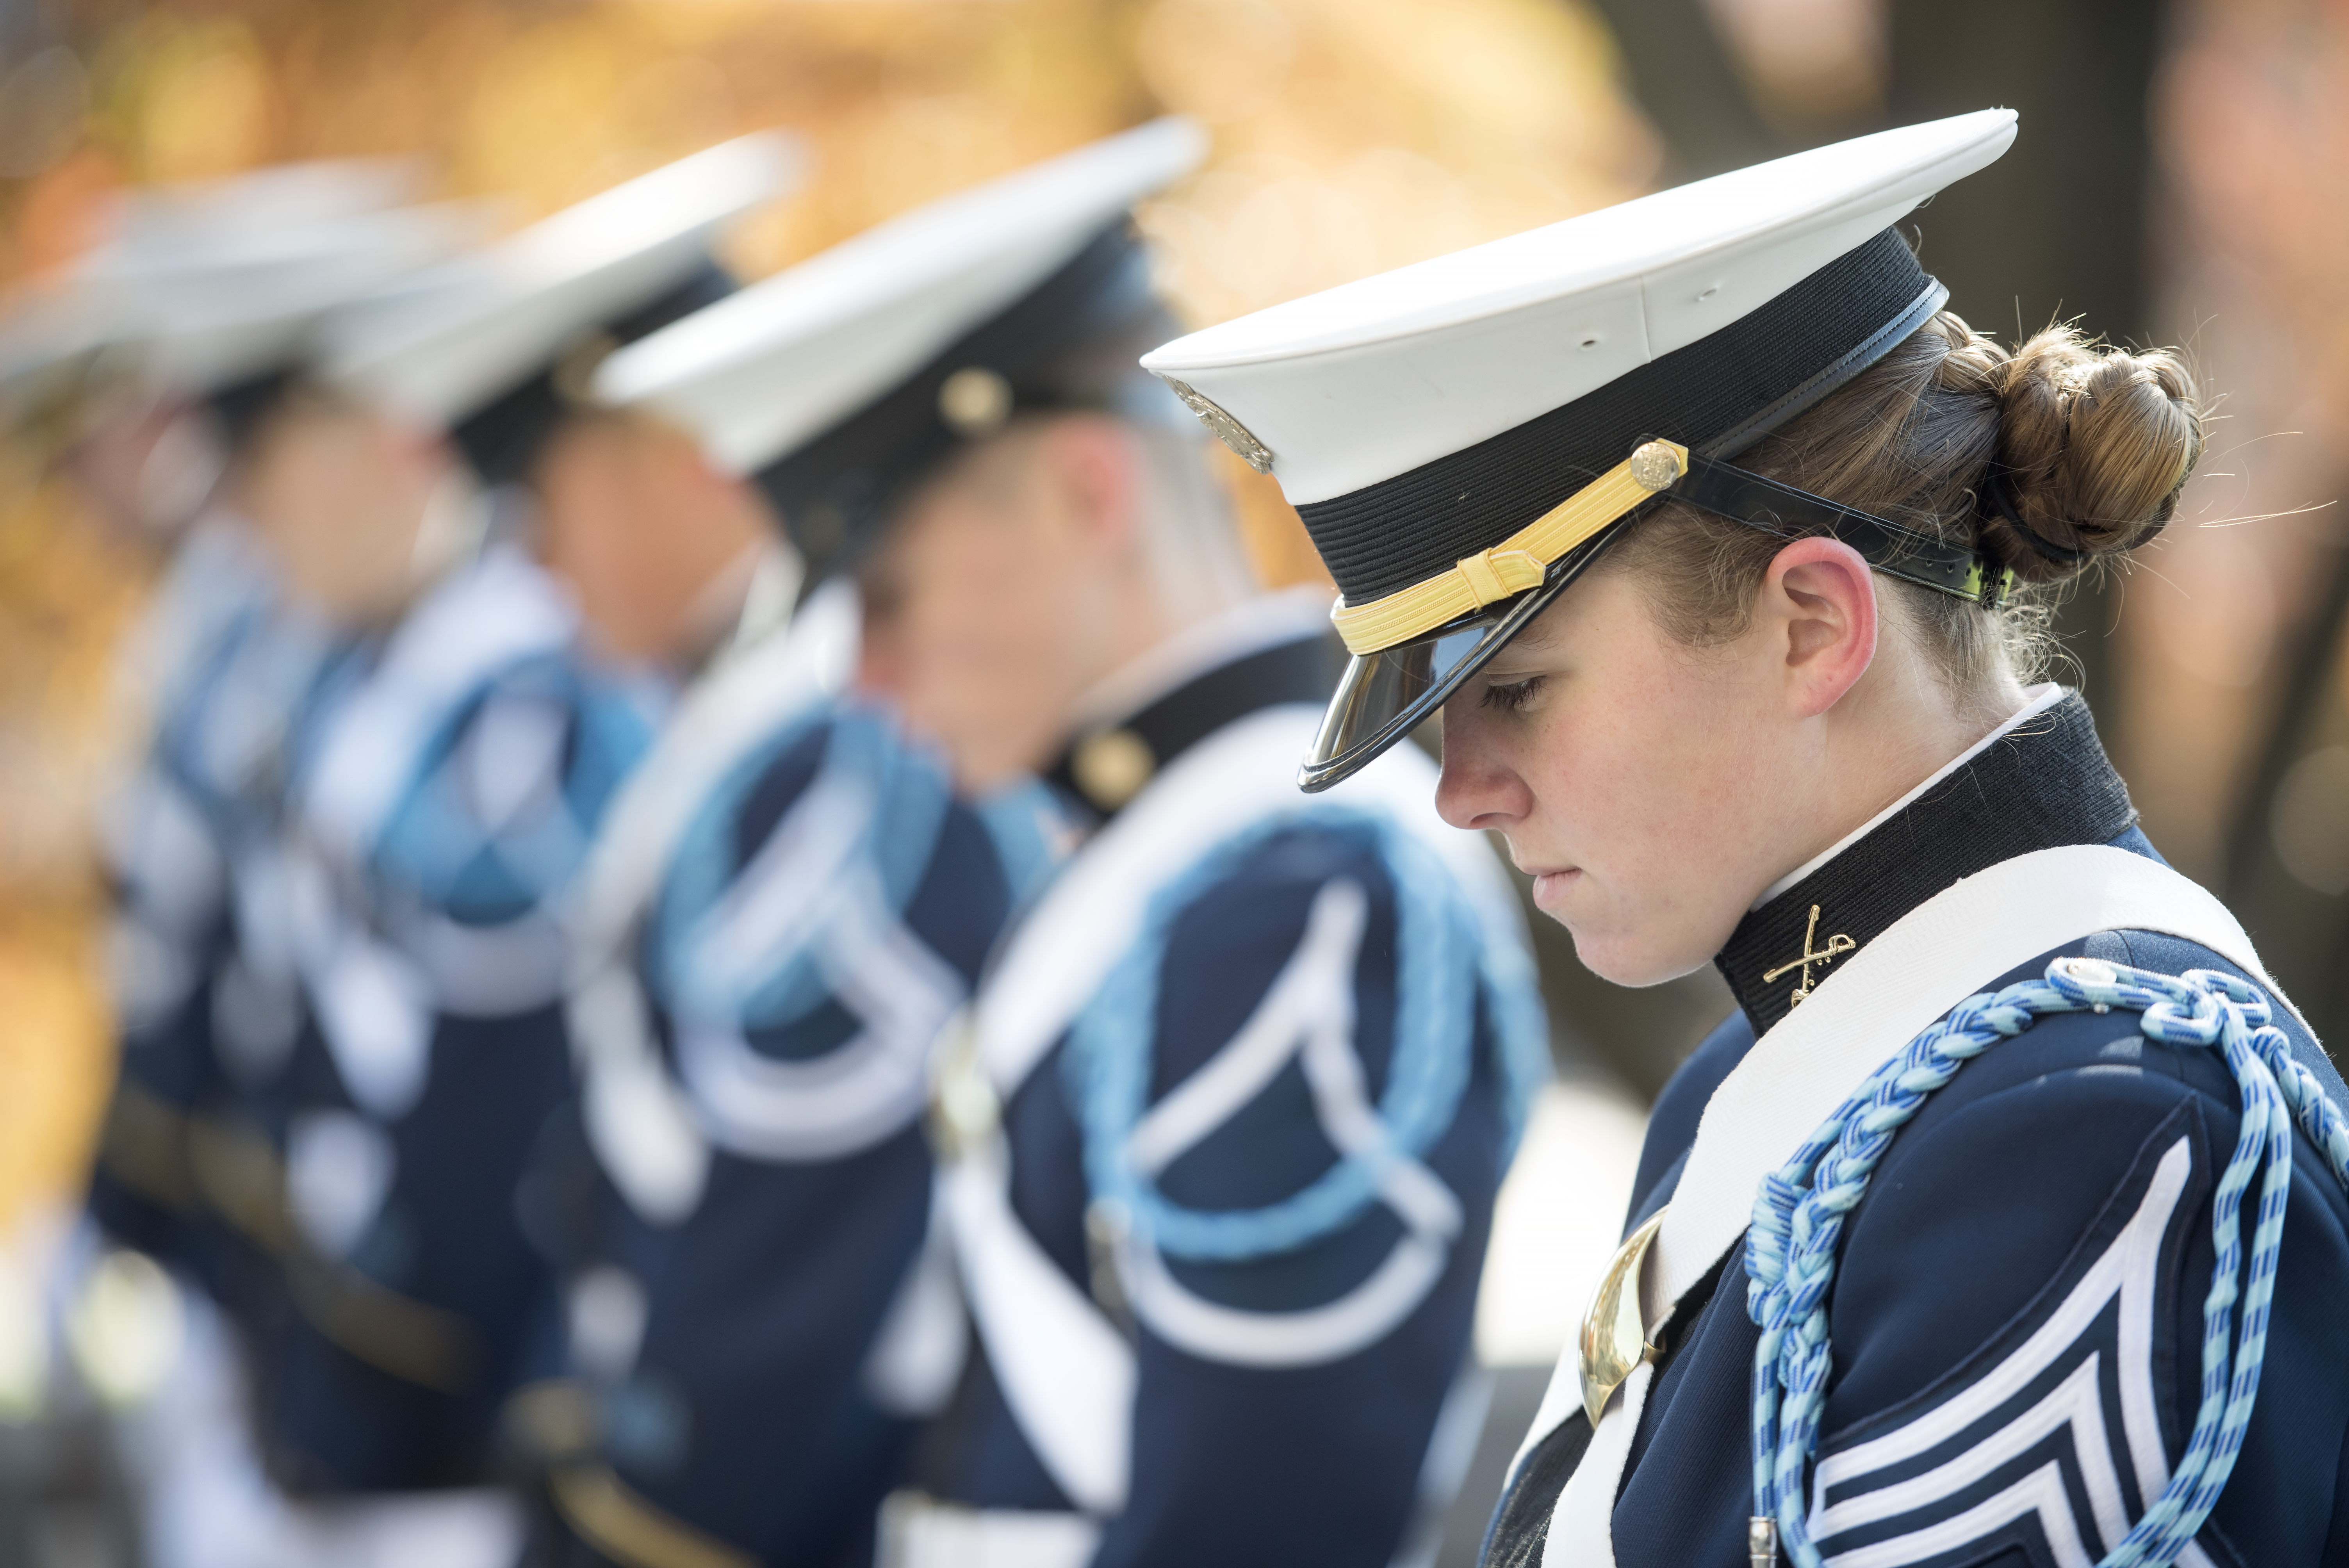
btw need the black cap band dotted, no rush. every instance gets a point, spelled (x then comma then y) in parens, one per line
(1742, 496)
(1718, 394)
(502, 439)
(1072, 342)
(242, 406)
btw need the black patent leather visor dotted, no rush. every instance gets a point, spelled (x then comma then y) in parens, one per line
(1383, 696)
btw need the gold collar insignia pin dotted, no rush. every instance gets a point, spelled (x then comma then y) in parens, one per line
(1836, 948)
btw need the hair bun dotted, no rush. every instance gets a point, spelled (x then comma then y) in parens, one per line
(2093, 445)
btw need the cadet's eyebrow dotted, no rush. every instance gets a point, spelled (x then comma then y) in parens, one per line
(1542, 634)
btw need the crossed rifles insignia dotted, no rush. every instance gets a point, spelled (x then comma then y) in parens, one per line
(1836, 948)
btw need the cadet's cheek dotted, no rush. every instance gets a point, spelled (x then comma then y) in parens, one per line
(976, 603)
(1629, 785)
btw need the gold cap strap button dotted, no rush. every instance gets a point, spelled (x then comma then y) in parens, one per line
(1657, 465)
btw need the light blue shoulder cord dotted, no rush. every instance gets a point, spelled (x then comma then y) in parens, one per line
(429, 841)
(912, 796)
(1798, 1216)
(1442, 952)
(300, 676)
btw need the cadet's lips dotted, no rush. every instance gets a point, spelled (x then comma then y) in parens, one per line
(1551, 886)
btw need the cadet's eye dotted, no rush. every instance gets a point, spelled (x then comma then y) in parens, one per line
(1512, 696)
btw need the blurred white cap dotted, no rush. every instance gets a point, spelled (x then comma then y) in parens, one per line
(447, 342)
(788, 358)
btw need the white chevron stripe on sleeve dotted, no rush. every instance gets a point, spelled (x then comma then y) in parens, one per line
(2073, 1403)
(2039, 1492)
(2128, 1269)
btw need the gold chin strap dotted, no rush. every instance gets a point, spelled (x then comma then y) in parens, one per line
(1517, 563)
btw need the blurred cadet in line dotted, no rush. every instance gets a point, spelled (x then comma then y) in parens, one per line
(146, 426)
(205, 321)
(451, 795)
(192, 322)
(788, 906)
(1221, 1144)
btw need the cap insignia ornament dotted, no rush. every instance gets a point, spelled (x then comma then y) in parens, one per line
(1111, 766)
(974, 401)
(1836, 948)
(1227, 429)
(1656, 466)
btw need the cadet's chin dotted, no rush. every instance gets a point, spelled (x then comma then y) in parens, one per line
(1628, 958)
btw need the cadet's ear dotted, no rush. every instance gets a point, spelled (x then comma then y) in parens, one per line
(1091, 462)
(1819, 614)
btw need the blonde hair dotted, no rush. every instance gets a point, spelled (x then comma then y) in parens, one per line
(2053, 459)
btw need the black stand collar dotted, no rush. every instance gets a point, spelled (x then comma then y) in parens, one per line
(1106, 766)
(2045, 784)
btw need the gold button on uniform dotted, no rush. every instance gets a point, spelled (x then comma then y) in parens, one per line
(1112, 766)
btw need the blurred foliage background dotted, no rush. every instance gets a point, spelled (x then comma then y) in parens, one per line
(2174, 182)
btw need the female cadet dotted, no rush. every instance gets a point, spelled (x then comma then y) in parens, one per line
(1716, 539)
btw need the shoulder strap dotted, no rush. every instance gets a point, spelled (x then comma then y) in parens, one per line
(502, 609)
(1799, 1072)
(643, 1130)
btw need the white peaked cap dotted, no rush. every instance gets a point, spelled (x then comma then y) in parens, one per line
(755, 375)
(200, 213)
(1370, 380)
(207, 281)
(242, 307)
(448, 342)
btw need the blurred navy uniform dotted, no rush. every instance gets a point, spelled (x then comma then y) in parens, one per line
(453, 801)
(2037, 1355)
(787, 910)
(207, 948)
(167, 832)
(1223, 1135)
(1235, 1105)
(211, 306)
(454, 796)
